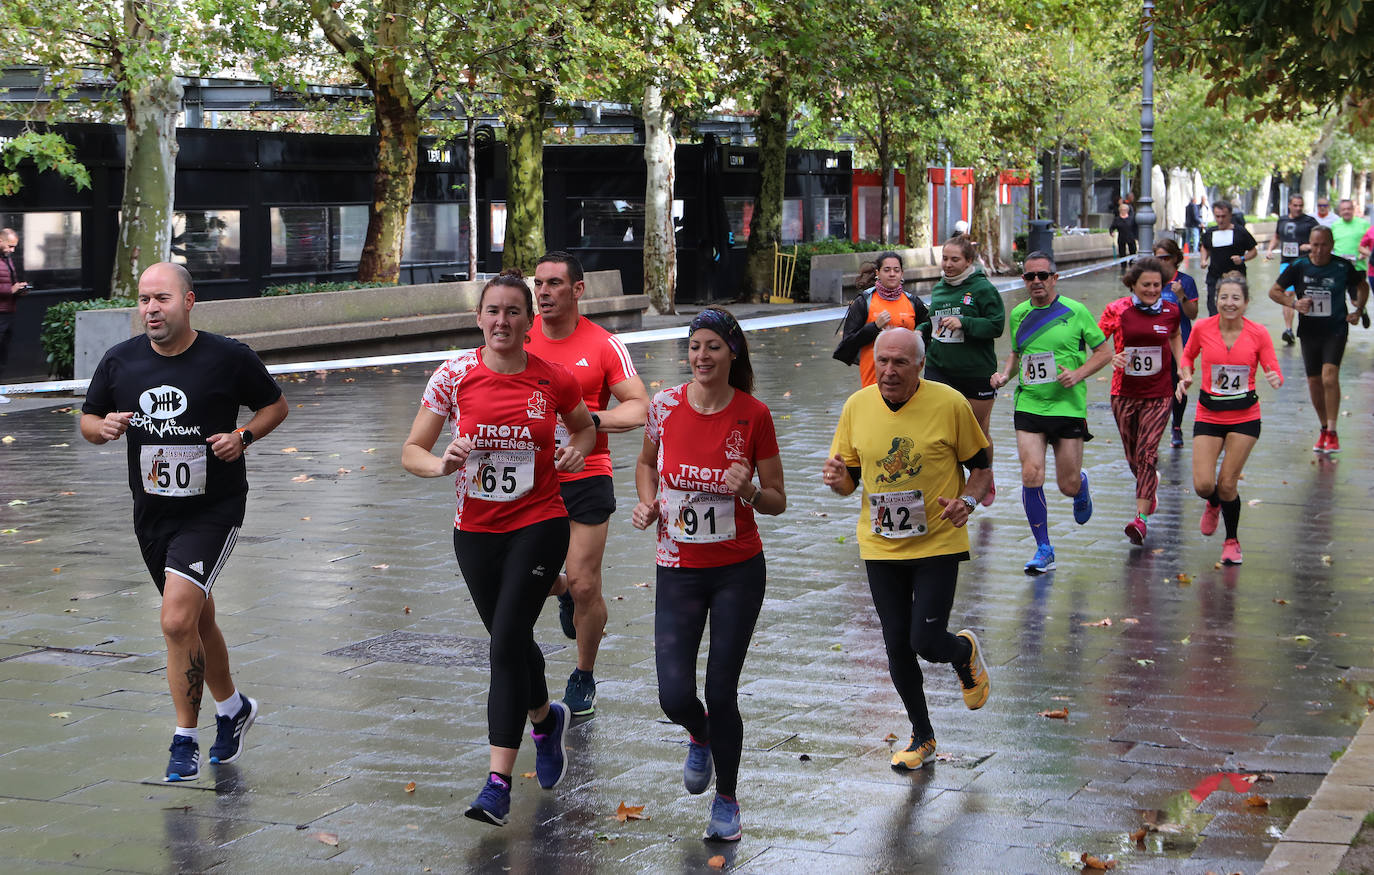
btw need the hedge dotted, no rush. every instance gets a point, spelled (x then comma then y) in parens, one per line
(307, 288)
(58, 335)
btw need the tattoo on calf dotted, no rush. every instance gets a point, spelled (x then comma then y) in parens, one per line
(195, 679)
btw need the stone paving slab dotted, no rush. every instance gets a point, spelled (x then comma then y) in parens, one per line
(1262, 668)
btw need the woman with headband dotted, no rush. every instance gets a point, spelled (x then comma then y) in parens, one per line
(703, 442)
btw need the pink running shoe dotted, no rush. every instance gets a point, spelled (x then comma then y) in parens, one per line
(1135, 530)
(1230, 552)
(1322, 441)
(1210, 514)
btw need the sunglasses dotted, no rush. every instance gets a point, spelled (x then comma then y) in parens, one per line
(1041, 275)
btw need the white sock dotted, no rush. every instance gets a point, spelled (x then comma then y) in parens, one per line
(229, 707)
(193, 733)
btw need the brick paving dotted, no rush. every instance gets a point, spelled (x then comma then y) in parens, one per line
(1261, 669)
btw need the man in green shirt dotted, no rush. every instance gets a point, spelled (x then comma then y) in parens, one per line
(1346, 233)
(1056, 345)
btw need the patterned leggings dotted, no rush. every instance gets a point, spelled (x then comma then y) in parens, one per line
(1141, 422)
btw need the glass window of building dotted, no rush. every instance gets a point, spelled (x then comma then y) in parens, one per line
(611, 223)
(498, 227)
(830, 217)
(49, 251)
(317, 239)
(436, 234)
(740, 212)
(793, 226)
(870, 207)
(207, 243)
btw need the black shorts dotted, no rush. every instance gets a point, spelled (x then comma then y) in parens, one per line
(1054, 428)
(590, 501)
(193, 549)
(1321, 349)
(973, 388)
(1250, 427)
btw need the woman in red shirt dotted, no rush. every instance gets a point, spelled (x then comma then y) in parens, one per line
(1146, 332)
(702, 443)
(1228, 413)
(510, 529)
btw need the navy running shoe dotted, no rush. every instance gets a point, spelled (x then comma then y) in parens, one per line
(185, 762)
(580, 694)
(696, 771)
(565, 615)
(492, 805)
(230, 732)
(550, 754)
(724, 825)
(1083, 503)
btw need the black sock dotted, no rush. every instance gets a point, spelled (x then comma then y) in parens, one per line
(1230, 515)
(545, 726)
(1215, 498)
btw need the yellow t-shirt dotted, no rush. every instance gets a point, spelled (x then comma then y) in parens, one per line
(908, 457)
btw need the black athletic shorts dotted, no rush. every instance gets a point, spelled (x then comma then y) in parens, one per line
(1322, 349)
(975, 388)
(590, 501)
(1216, 429)
(193, 549)
(1054, 428)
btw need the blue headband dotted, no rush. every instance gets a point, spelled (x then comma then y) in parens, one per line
(721, 323)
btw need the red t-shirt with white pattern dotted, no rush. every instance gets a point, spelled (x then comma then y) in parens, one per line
(509, 481)
(598, 360)
(1149, 372)
(701, 523)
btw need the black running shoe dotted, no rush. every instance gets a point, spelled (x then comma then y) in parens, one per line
(565, 615)
(185, 762)
(230, 732)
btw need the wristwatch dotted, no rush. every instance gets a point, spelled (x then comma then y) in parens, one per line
(244, 435)
(753, 498)
(969, 502)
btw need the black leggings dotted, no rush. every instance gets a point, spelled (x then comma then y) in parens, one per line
(913, 599)
(732, 595)
(508, 575)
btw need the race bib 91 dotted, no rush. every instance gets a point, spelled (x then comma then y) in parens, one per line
(174, 471)
(699, 517)
(898, 514)
(1039, 367)
(1143, 361)
(499, 475)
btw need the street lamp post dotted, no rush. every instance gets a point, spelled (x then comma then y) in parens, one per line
(1145, 213)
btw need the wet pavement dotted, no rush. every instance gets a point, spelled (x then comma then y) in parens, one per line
(348, 621)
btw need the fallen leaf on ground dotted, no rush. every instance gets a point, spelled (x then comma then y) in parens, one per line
(18, 502)
(629, 812)
(7, 439)
(61, 715)
(1303, 639)
(1280, 601)
(717, 862)
(787, 394)
(1186, 640)
(1061, 699)
(1057, 714)
(345, 470)
(381, 567)
(34, 541)
(327, 838)
(1129, 621)
(1336, 634)
(1096, 862)
(302, 478)
(289, 450)
(305, 519)
(1144, 662)
(1326, 559)
(1217, 565)
(527, 774)
(410, 788)
(890, 737)
(1255, 502)
(1263, 778)
(1138, 836)
(370, 450)
(837, 647)
(406, 609)
(1257, 802)
(642, 585)
(66, 493)
(1105, 621)
(1183, 578)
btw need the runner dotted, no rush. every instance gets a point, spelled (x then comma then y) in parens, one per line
(1321, 284)
(1225, 247)
(906, 441)
(1228, 413)
(966, 318)
(176, 393)
(1146, 330)
(510, 530)
(702, 444)
(1179, 289)
(603, 368)
(1290, 235)
(887, 303)
(1052, 337)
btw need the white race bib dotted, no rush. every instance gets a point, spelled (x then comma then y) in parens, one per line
(1143, 361)
(174, 471)
(1321, 302)
(1230, 380)
(1290, 249)
(1039, 367)
(561, 437)
(946, 335)
(1223, 238)
(499, 475)
(699, 517)
(898, 514)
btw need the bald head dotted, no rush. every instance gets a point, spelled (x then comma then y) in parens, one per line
(898, 356)
(165, 299)
(167, 274)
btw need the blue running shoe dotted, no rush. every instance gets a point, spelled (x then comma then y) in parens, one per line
(1043, 561)
(1083, 503)
(580, 694)
(696, 771)
(724, 825)
(185, 762)
(492, 805)
(550, 756)
(565, 615)
(230, 731)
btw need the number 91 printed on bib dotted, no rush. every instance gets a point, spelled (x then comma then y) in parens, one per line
(699, 517)
(173, 471)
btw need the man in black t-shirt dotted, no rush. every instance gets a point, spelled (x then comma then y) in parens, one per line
(175, 393)
(1290, 234)
(1225, 247)
(1320, 285)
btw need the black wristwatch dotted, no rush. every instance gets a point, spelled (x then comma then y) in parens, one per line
(244, 435)
(596, 421)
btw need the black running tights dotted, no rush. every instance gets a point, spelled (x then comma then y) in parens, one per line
(731, 595)
(913, 600)
(508, 575)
